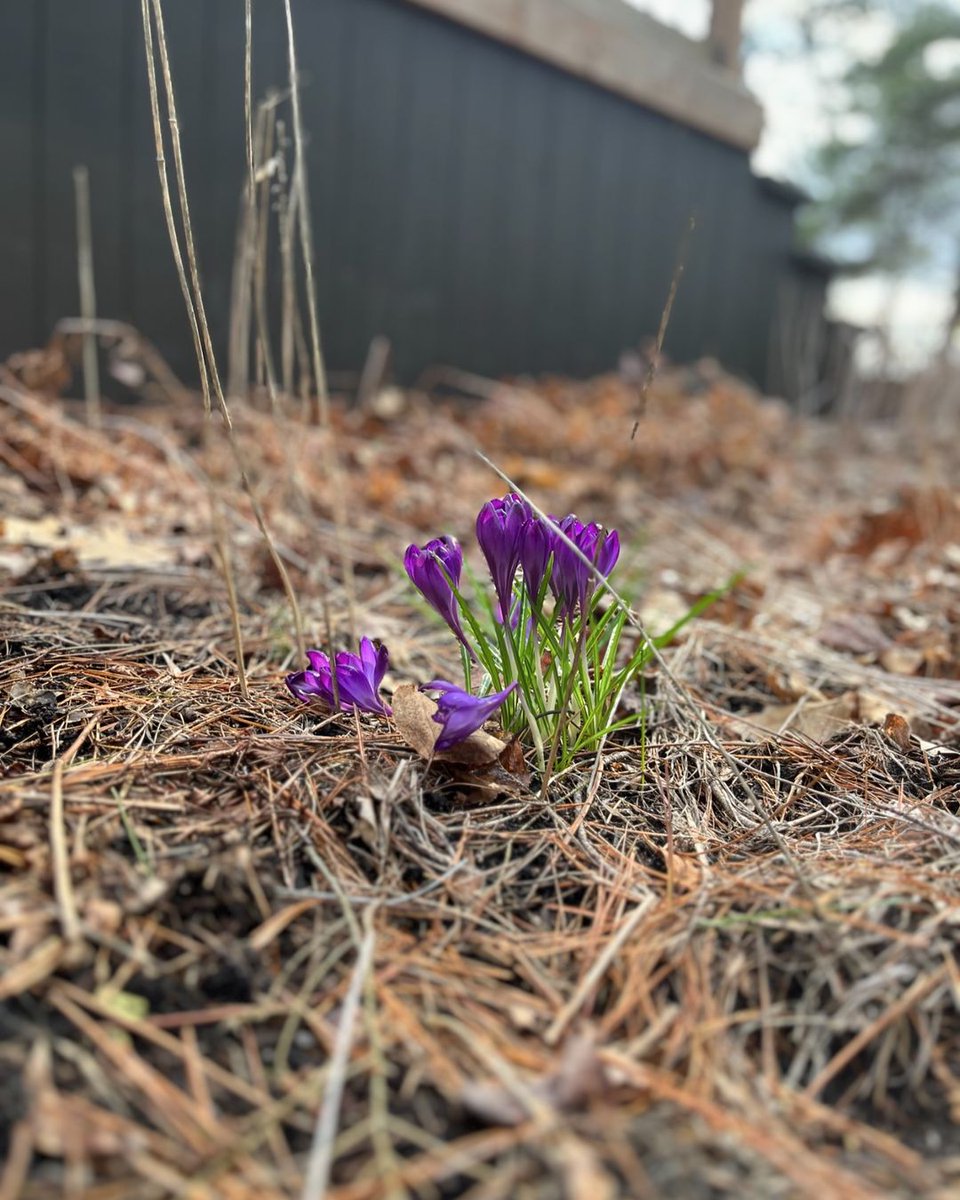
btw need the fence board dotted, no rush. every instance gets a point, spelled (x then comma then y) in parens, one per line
(476, 205)
(83, 104)
(22, 119)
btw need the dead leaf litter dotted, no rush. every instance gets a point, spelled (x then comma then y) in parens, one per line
(718, 959)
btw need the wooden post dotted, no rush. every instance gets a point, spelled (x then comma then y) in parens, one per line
(726, 19)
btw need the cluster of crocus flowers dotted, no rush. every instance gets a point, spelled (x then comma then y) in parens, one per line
(354, 681)
(545, 574)
(513, 538)
(358, 679)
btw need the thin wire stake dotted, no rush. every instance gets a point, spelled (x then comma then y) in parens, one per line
(325, 1131)
(88, 296)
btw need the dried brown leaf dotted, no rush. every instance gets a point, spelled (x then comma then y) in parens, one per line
(413, 716)
(579, 1078)
(512, 760)
(36, 967)
(897, 729)
(817, 720)
(856, 633)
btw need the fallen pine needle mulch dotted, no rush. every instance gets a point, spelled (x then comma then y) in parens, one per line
(248, 949)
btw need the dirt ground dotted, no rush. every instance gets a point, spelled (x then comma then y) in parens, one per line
(250, 949)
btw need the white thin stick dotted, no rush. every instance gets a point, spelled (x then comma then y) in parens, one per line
(60, 859)
(325, 1131)
(88, 295)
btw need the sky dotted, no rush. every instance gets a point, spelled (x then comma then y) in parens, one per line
(798, 96)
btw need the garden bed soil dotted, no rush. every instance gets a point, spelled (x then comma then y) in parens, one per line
(247, 947)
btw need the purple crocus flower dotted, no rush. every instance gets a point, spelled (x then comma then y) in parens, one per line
(499, 527)
(568, 570)
(572, 580)
(433, 569)
(537, 543)
(461, 714)
(359, 677)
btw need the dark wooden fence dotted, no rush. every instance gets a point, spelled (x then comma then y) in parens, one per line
(476, 205)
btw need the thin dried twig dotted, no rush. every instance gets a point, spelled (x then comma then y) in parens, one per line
(321, 414)
(209, 375)
(321, 1151)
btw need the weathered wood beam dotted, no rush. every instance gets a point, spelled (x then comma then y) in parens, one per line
(626, 52)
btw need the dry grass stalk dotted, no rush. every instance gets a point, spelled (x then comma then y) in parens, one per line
(250, 266)
(321, 414)
(226, 566)
(206, 358)
(265, 143)
(653, 364)
(287, 219)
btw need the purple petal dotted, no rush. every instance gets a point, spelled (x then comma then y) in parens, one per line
(356, 689)
(375, 662)
(461, 714)
(536, 546)
(358, 679)
(499, 523)
(447, 550)
(308, 685)
(609, 553)
(432, 570)
(318, 661)
(383, 662)
(572, 581)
